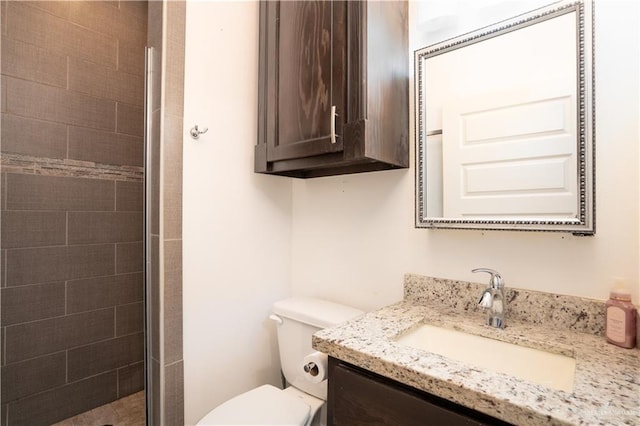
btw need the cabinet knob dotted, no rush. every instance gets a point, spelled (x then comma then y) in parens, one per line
(333, 124)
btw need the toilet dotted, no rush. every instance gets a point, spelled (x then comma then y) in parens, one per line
(302, 402)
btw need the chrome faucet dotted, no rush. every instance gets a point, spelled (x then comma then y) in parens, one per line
(492, 298)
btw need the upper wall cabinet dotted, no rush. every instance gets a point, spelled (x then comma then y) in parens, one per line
(333, 87)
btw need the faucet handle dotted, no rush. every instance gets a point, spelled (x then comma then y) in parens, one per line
(495, 281)
(485, 299)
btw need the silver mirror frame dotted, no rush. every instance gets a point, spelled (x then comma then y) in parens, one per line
(584, 223)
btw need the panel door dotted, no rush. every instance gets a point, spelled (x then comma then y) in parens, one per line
(515, 150)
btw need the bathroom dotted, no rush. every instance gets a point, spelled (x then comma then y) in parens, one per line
(248, 239)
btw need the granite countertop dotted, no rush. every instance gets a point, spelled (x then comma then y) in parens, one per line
(607, 378)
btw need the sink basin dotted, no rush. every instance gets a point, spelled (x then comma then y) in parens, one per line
(545, 368)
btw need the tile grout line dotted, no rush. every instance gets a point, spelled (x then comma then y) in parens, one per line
(3, 348)
(66, 366)
(6, 188)
(66, 297)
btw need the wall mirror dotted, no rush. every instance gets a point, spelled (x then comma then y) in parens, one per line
(505, 125)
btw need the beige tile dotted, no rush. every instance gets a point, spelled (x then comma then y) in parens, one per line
(33, 137)
(30, 62)
(174, 72)
(174, 77)
(96, 392)
(43, 102)
(35, 375)
(155, 41)
(2, 361)
(29, 340)
(131, 379)
(172, 155)
(156, 76)
(131, 59)
(3, 264)
(43, 301)
(50, 264)
(129, 257)
(172, 215)
(102, 17)
(153, 284)
(172, 177)
(86, 361)
(105, 147)
(129, 196)
(172, 316)
(58, 8)
(130, 119)
(131, 410)
(105, 82)
(104, 227)
(136, 8)
(174, 394)
(3, 24)
(33, 192)
(155, 392)
(173, 255)
(154, 29)
(153, 173)
(103, 415)
(102, 292)
(129, 318)
(67, 422)
(3, 94)
(35, 26)
(98, 16)
(176, 11)
(33, 228)
(132, 29)
(3, 191)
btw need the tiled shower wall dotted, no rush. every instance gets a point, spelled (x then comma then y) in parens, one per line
(164, 286)
(72, 201)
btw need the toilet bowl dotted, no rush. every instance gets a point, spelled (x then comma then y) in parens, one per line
(264, 405)
(302, 403)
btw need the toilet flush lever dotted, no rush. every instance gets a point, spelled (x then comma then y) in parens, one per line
(276, 318)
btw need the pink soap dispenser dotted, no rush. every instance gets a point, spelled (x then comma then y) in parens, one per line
(620, 317)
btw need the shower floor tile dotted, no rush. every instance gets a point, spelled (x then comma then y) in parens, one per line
(127, 411)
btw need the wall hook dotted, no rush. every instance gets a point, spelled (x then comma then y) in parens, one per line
(195, 132)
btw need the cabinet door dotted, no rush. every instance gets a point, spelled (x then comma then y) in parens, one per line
(309, 75)
(357, 398)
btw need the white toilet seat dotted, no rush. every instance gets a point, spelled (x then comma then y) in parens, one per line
(264, 405)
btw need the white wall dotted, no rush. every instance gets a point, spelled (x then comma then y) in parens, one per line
(353, 236)
(236, 224)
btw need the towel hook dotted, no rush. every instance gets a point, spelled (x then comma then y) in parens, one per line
(195, 132)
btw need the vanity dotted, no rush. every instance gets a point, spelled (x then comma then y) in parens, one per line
(375, 376)
(374, 399)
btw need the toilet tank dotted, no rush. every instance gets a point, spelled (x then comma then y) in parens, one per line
(301, 317)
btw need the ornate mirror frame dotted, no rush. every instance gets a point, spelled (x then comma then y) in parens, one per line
(584, 221)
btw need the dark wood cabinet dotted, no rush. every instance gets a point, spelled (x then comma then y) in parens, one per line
(333, 87)
(358, 397)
